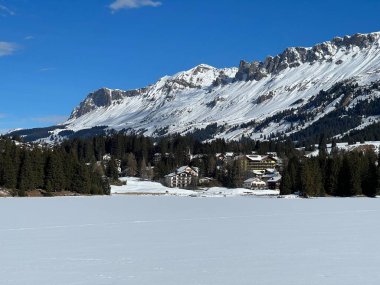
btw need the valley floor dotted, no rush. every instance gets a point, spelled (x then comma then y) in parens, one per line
(170, 240)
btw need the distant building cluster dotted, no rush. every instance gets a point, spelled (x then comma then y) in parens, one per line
(257, 171)
(263, 179)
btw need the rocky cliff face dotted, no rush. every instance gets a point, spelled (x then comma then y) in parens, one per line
(201, 76)
(104, 97)
(295, 56)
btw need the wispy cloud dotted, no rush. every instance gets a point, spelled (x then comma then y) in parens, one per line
(2, 115)
(133, 4)
(28, 38)
(4, 11)
(45, 69)
(53, 119)
(7, 48)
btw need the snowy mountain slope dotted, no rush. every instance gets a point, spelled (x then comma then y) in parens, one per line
(249, 100)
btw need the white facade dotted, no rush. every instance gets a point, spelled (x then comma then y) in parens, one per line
(183, 177)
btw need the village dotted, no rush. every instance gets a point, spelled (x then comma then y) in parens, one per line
(259, 172)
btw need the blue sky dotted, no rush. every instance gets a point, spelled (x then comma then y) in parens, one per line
(54, 52)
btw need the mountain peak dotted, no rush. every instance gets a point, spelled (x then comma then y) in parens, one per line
(256, 99)
(295, 56)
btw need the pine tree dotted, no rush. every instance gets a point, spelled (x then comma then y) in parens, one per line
(286, 184)
(38, 167)
(54, 173)
(311, 181)
(25, 178)
(372, 181)
(332, 174)
(81, 181)
(112, 169)
(349, 180)
(10, 170)
(322, 147)
(344, 178)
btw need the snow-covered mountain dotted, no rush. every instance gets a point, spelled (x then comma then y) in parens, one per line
(288, 94)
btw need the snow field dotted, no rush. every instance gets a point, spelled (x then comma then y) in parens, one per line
(173, 240)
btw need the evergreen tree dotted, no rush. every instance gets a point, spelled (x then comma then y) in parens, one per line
(372, 183)
(25, 178)
(332, 173)
(322, 147)
(112, 169)
(38, 167)
(286, 184)
(344, 178)
(311, 181)
(10, 172)
(54, 173)
(81, 182)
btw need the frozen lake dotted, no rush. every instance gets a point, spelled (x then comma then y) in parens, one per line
(174, 240)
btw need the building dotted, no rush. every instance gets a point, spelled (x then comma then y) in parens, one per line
(183, 177)
(225, 157)
(270, 178)
(254, 184)
(259, 162)
(158, 157)
(274, 182)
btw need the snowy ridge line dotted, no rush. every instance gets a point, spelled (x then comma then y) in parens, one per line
(232, 101)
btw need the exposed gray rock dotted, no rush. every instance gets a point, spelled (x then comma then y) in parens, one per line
(103, 97)
(295, 56)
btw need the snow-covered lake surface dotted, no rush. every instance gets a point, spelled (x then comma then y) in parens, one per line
(175, 240)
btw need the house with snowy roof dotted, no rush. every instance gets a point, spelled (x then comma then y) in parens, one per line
(254, 184)
(259, 162)
(274, 182)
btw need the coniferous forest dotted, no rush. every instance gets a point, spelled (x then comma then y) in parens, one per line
(89, 165)
(343, 174)
(24, 168)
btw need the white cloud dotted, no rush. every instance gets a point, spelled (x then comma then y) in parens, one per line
(132, 4)
(7, 48)
(45, 69)
(4, 11)
(28, 38)
(54, 119)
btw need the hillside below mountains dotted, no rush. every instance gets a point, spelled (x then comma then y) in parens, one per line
(331, 88)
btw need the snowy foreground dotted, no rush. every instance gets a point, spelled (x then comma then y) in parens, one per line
(137, 186)
(168, 240)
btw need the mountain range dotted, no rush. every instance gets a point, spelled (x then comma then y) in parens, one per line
(332, 88)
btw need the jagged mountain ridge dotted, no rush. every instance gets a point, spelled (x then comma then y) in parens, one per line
(201, 76)
(255, 100)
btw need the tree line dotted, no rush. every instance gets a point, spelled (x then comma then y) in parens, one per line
(339, 173)
(88, 165)
(137, 154)
(24, 168)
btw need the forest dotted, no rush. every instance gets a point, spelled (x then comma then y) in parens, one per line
(90, 165)
(24, 168)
